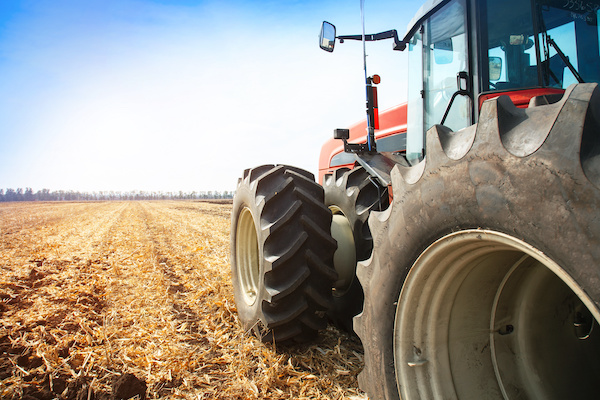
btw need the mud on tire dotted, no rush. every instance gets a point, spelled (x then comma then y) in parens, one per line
(281, 253)
(484, 280)
(351, 196)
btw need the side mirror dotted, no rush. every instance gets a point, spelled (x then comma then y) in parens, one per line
(327, 36)
(495, 68)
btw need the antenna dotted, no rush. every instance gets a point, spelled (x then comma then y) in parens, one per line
(369, 84)
(364, 42)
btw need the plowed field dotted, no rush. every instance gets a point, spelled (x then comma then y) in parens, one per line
(117, 299)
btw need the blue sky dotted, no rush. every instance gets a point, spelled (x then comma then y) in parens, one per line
(180, 95)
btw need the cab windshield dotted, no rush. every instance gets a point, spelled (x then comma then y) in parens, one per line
(555, 44)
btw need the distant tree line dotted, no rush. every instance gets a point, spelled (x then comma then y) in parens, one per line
(61, 195)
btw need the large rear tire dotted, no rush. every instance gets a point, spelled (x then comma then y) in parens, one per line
(281, 253)
(351, 195)
(484, 280)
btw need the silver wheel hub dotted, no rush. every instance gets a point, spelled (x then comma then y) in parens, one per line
(484, 315)
(344, 258)
(247, 257)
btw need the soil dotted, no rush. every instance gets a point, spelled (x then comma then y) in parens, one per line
(114, 300)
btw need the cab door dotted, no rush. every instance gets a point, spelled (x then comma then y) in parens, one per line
(438, 69)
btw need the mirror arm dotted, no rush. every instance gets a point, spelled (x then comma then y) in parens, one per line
(393, 34)
(356, 148)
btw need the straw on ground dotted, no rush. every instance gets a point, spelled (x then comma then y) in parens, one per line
(91, 291)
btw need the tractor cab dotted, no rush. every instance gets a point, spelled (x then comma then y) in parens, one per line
(462, 52)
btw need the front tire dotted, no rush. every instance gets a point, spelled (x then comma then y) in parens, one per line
(281, 253)
(484, 280)
(351, 195)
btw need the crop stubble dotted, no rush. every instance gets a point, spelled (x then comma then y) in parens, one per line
(92, 291)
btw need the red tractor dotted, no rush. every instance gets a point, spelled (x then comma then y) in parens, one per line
(458, 234)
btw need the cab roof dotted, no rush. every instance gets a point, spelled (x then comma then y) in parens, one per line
(428, 8)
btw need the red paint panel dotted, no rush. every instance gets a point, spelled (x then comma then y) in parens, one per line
(519, 97)
(391, 121)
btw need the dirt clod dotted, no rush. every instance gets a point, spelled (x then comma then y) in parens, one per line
(128, 386)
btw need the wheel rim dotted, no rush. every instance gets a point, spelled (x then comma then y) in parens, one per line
(247, 259)
(484, 315)
(344, 258)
